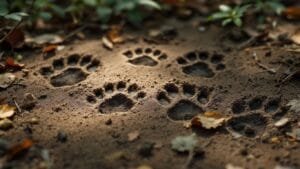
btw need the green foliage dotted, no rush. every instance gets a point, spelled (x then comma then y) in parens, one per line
(14, 16)
(267, 6)
(230, 15)
(101, 10)
(235, 14)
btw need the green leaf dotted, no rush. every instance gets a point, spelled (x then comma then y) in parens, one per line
(14, 16)
(224, 8)
(3, 7)
(135, 17)
(276, 6)
(90, 2)
(226, 21)
(184, 143)
(238, 22)
(149, 3)
(45, 15)
(104, 13)
(124, 6)
(219, 15)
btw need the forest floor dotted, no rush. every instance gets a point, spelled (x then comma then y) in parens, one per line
(88, 106)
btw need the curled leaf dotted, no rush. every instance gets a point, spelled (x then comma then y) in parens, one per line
(6, 111)
(209, 120)
(6, 80)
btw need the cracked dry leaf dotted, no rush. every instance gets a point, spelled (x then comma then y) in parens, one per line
(294, 105)
(208, 120)
(6, 111)
(184, 143)
(6, 80)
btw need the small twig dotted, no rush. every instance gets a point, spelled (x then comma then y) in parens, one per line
(257, 62)
(75, 32)
(189, 159)
(17, 105)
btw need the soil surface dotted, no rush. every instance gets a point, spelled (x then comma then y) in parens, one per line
(90, 98)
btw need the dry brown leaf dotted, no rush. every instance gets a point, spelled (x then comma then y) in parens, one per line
(114, 34)
(6, 80)
(208, 120)
(16, 38)
(133, 135)
(107, 43)
(292, 12)
(12, 64)
(6, 111)
(49, 48)
(19, 148)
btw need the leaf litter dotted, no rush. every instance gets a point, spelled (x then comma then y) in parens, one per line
(209, 120)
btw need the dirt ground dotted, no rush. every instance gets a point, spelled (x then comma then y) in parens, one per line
(90, 98)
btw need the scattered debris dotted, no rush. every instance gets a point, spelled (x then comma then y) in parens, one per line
(6, 80)
(283, 167)
(6, 124)
(29, 101)
(108, 122)
(132, 136)
(6, 111)
(292, 75)
(145, 149)
(144, 167)
(282, 122)
(296, 37)
(294, 105)
(11, 64)
(107, 43)
(208, 120)
(116, 156)
(295, 134)
(62, 137)
(230, 166)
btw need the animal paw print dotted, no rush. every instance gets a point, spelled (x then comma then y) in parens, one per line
(249, 125)
(116, 97)
(196, 63)
(72, 70)
(145, 57)
(257, 103)
(184, 102)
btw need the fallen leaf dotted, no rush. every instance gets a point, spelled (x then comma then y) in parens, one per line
(6, 124)
(49, 48)
(45, 39)
(6, 80)
(281, 122)
(19, 148)
(10, 63)
(114, 34)
(133, 135)
(116, 156)
(208, 120)
(283, 167)
(294, 105)
(16, 38)
(296, 37)
(107, 43)
(6, 111)
(292, 12)
(184, 143)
